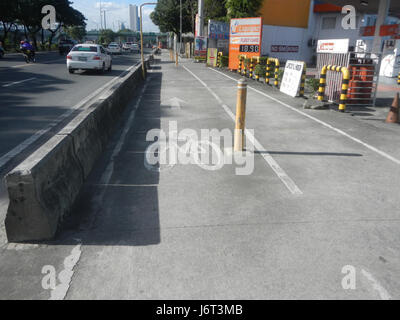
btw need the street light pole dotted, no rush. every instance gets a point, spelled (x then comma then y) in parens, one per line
(141, 35)
(180, 29)
(101, 17)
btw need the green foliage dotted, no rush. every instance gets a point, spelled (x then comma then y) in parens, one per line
(224, 61)
(106, 36)
(312, 84)
(243, 8)
(260, 70)
(166, 15)
(76, 32)
(215, 10)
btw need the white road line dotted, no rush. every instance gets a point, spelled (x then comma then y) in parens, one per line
(287, 181)
(25, 144)
(376, 285)
(17, 82)
(368, 146)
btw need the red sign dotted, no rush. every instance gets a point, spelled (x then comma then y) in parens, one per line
(386, 30)
(283, 48)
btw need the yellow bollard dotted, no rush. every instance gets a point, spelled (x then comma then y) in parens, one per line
(398, 79)
(240, 116)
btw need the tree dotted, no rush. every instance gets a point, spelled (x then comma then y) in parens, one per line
(166, 16)
(67, 17)
(243, 8)
(215, 10)
(76, 32)
(8, 15)
(106, 36)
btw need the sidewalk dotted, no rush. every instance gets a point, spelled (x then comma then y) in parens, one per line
(323, 194)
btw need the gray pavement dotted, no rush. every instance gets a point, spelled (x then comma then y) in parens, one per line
(182, 232)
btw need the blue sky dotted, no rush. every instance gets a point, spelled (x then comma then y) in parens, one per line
(117, 10)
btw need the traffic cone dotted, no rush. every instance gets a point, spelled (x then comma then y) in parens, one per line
(393, 116)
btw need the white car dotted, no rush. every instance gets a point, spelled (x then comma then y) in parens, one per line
(88, 57)
(127, 46)
(114, 48)
(135, 48)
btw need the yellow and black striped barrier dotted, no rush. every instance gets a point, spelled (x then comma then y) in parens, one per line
(398, 79)
(251, 68)
(219, 56)
(256, 75)
(241, 58)
(303, 80)
(270, 62)
(244, 71)
(345, 84)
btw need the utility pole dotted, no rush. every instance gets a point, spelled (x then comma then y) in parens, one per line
(105, 21)
(101, 17)
(180, 28)
(201, 17)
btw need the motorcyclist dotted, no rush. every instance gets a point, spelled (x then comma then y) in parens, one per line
(26, 46)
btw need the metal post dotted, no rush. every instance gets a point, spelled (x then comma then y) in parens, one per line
(101, 17)
(180, 28)
(240, 115)
(382, 14)
(201, 17)
(141, 36)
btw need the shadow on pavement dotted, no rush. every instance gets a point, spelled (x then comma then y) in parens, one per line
(124, 211)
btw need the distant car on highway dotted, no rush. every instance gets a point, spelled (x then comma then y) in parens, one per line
(135, 48)
(114, 48)
(65, 46)
(89, 57)
(127, 46)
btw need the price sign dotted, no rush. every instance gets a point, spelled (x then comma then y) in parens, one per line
(249, 48)
(292, 77)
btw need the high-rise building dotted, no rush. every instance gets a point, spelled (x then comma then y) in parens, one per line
(133, 17)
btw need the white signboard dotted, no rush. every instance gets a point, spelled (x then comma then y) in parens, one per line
(333, 46)
(292, 77)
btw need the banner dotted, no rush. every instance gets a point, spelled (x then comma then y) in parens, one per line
(333, 46)
(200, 47)
(212, 57)
(218, 30)
(244, 38)
(292, 77)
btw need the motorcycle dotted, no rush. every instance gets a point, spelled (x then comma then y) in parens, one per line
(29, 56)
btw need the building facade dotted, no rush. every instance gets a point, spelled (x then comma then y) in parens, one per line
(134, 18)
(292, 28)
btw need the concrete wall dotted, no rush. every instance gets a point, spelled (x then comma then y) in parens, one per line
(44, 187)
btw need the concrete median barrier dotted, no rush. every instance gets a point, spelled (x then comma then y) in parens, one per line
(44, 187)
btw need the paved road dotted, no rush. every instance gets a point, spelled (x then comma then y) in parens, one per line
(323, 195)
(32, 96)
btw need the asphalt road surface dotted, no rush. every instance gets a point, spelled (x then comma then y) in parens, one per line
(32, 96)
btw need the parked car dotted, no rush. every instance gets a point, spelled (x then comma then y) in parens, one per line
(114, 48)
(89, 57)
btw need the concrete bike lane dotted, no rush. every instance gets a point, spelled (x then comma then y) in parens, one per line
(316, 205)
(185, 232)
